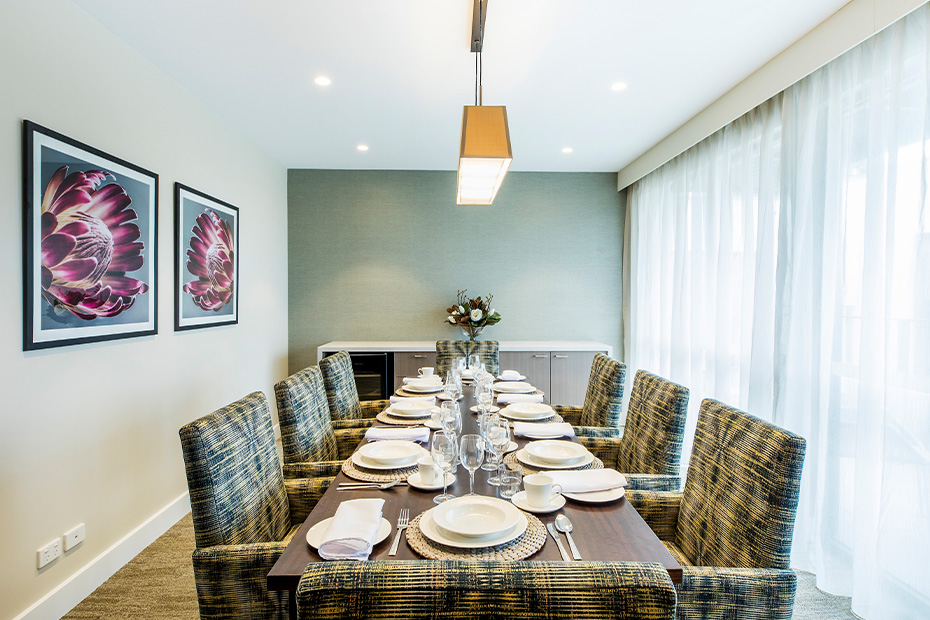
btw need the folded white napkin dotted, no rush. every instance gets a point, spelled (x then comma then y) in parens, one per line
(381, 433)
(588, 480)
(551, 429)
(352, 531)
(510, 375)
(519, 398)
(429, 399)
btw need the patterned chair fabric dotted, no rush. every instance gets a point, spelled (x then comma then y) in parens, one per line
(603, 403)
(311, 446)
(346, 410)
(732, 525)
(650, 450)
(487, 350)
(454, 590)
(244, 511)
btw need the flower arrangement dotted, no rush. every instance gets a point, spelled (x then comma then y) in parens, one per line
(472, 315)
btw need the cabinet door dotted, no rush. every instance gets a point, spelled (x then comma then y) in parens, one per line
(533, 364)
(408, 363)
(568, 379)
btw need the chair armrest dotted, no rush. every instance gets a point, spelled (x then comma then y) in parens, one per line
(303, 494)
(318, 469)
(371, 408)
(232, 580)
(659, 509)
(360, 423)
(744, 593)
(653, 482)
(604, 448)
(347, 440)
(605, 432)
(570, 414)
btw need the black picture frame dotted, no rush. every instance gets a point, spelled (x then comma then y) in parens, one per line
(90, 243)
(206, 260)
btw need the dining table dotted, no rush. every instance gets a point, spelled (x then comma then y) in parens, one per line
(611, 531)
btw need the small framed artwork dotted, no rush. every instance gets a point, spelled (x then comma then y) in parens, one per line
(206, 255)
(89, 243)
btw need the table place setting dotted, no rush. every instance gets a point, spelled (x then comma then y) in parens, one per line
(384, 461)
(554, 454)
(407, 412)
(525, 411)
(591, 486)
(351, 533)
(546, 430)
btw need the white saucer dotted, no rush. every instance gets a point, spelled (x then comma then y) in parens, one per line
(519, 499)
(433, 425)
(414, 481)
(491, 409)
(511, 447)
(597, 497)
(527, 459)
(315, 534)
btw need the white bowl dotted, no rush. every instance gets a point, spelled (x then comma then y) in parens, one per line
(476, 516)
(390, 452)
(513, 387)
(530, 410)
(412, 407)
(556, 451)
(423, 386)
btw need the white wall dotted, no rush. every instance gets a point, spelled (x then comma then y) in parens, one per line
(845, 29)
(90, 433)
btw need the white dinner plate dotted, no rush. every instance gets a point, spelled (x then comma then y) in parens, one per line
(394, 412)
(414, 481)
(556, 451)
(475, 516)
(530, 410)
(596, 497)
(361, 461)
(519, 499)
(423, 388)
(513, 387)
(524, 457)
(315, 534)
(506, 413)
(393, 452)
(528, 436)
(519, 378)
(429, 529)
(413, 406)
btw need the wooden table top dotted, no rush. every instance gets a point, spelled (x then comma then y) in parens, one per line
(606, 532)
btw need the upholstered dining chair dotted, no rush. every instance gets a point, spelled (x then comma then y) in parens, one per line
(244, 511)
(603, 402)
(311, 446)
(731, 526)
(487, 350)
(649, 453)
(346, 409)
(464, 590)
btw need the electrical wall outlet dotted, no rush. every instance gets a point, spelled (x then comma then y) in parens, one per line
(49, 552)
(74, 537)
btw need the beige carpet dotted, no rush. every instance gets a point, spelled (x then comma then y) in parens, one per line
(159, 583)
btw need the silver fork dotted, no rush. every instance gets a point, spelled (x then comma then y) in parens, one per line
(402, 521)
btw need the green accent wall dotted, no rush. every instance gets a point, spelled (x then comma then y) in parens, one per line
(380, 254)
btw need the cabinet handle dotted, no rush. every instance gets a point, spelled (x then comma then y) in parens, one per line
(560, 357)
(417, 356)
(540, 355)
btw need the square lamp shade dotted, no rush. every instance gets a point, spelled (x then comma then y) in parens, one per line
(484, 154)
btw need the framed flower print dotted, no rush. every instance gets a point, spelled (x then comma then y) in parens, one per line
(89, 243)
(206, 253)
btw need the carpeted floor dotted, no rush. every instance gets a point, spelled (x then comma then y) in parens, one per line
(159, 583)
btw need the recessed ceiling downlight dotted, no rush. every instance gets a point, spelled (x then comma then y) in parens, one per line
(362, 147)
(322, 80)
(568, 150)
(618, 86)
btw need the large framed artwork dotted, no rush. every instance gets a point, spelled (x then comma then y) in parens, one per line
(206, 260)
(89, 243)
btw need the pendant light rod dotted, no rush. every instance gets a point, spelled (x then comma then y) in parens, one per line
(479, 14)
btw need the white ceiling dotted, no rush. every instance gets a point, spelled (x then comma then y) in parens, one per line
(402, 71)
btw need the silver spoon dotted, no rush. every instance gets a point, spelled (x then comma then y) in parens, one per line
(564, 525)
(348, 486)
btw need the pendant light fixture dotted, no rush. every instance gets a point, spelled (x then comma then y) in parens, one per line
(484, 152)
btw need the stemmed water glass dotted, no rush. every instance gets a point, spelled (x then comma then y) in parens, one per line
(453, 385)
(444, 451)
(484, 420)
(498, 435)
(450, 417)
(471, 454)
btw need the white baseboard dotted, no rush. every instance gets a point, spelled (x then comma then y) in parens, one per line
(78, 586)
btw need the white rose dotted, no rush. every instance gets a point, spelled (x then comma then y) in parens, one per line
(451, 319)
(476, 315)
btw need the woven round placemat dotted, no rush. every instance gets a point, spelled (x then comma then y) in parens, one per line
(402, 392)
(520, 548)
(387, 418)
(529, 469)
(355, 472)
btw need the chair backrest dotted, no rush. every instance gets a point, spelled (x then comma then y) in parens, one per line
(341, 392)
(603, 403)
(741, 495)
(487, 350)
(307, 434)
(655, 426)
(491, 589)
(234, 476)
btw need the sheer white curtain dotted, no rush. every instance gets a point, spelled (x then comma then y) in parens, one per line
(783, 266)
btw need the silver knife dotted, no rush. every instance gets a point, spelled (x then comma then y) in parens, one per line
(555, 536)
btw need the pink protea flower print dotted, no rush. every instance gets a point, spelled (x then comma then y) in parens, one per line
(211, 257)
(88, 245)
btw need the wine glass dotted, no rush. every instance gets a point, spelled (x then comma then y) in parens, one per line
(498, 435)
(453, 385)
(450, 417)
(444, 453)
(471, 453)
(484, 419)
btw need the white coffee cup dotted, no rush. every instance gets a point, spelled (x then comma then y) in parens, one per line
(426, 371)
(427, 469)
(539, 490)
